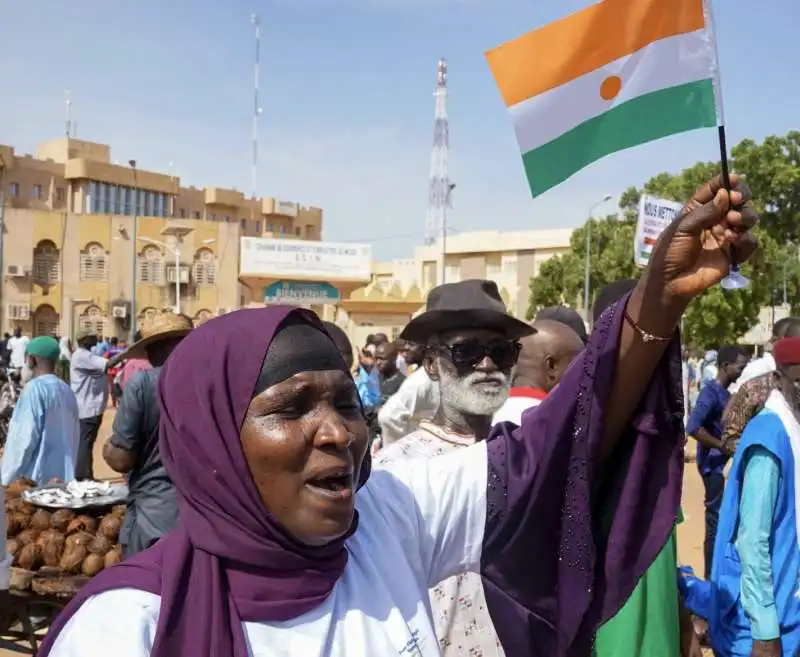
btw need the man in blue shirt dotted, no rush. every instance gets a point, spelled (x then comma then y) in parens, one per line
(756, 607)
(705, 426)
(42, 442)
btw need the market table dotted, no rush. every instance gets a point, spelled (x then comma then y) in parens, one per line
(36, 598)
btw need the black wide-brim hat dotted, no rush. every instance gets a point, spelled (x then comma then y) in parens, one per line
(471, 304)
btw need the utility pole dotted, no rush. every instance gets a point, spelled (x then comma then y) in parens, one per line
(135, 265)
(68, 121)
(2, 239)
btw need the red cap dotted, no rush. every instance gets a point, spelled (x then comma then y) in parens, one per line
(787, 351)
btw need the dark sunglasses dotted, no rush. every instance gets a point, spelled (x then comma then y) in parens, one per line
(470, 354)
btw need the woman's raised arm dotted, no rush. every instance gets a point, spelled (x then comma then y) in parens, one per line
(583, 496)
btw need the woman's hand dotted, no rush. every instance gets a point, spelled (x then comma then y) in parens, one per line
(689, 639)
(693, 253)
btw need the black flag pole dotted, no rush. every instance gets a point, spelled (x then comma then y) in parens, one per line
(723, 157)
(734, 280)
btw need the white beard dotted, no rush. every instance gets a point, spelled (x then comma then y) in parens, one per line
(461, 394)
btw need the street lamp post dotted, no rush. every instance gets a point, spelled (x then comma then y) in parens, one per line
(134, 266)
(588, 257)
(2, 235)
(176, 251)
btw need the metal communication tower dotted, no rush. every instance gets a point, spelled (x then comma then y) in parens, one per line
(256, 22)
(440, 186)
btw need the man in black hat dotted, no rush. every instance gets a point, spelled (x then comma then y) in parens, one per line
(472, 345)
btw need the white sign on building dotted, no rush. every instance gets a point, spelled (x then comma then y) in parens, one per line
(300, 259)
(655, 214)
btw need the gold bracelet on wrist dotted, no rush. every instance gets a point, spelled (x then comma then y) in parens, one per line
(644, 335)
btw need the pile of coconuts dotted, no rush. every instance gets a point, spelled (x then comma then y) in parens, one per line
(81, 543)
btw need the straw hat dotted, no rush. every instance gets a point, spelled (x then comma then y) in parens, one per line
(162, 326)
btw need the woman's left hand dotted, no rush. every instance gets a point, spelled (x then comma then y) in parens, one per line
(693, 253)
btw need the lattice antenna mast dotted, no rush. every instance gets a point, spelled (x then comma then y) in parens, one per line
(255, 20)
(68, 127)
(440, 187)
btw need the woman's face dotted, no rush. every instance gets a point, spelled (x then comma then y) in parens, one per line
(304, 440)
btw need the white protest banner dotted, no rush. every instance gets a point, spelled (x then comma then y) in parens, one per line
(655, 214)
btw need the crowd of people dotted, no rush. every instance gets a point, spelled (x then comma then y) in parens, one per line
(479, 486)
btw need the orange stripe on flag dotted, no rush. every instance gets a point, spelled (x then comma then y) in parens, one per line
(586, 40)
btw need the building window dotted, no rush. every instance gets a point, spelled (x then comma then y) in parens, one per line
(37, 191)
(213, 216)
(182, 213)
(15, 190)
(94, 263)
(196, 215)
(111, 200)
(61, 194)
(205, 267)
(243, 223)
(102, 198)
(269, 228)
(202, 316)
(92, 320)
(509, 265)
(45, 321)
(46, 265)
(258, 227)
(147, 315)
(226, 218)
(151, 266)
(297, 230)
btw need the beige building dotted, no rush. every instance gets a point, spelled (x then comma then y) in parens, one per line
(78, 229)
(399, 288)
(70, 257)
(71, 175)
(64, 272)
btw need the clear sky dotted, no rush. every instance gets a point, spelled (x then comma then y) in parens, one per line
(347, 94)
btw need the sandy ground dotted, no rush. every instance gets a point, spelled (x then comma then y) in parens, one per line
(690, 532)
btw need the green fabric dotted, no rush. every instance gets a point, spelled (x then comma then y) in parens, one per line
(636, 121)
(44, 347)
(648, 624)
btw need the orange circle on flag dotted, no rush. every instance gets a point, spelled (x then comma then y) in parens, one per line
(611, 87)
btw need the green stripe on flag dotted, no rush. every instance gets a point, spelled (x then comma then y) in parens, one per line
(637, 121)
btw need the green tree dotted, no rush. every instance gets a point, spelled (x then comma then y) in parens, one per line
(560, 279)
(772, 171)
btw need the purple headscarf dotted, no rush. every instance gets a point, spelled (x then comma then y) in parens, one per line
(229, 560)
(544, 496)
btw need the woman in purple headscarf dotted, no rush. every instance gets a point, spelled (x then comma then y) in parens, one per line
(285, 547)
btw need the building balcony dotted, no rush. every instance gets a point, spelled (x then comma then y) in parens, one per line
(228, 198)
(273, 206)
(114, 174)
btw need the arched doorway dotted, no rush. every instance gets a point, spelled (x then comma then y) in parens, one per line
(45, 321)
(46, 264)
